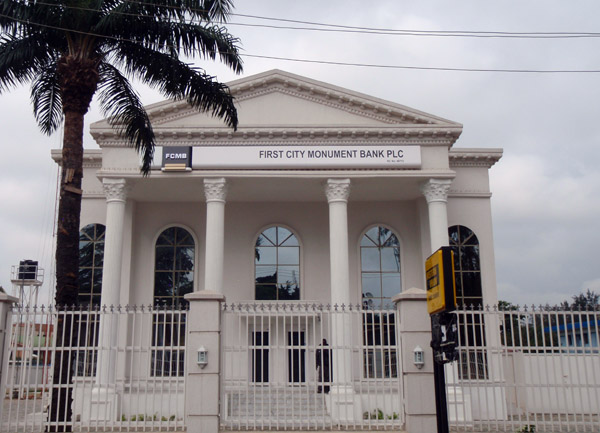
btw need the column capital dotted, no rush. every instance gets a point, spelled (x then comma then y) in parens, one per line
(215, 189)
(116, 190)
(436, 190)
(337, 190)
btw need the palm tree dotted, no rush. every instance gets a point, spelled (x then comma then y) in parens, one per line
(71, 50)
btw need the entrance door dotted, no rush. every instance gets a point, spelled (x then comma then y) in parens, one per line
(260, 357)
(296, 357)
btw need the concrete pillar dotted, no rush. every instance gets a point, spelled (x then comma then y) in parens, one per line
(436, 193)
(104, 401)
(345, 405)
(337, 191)
(414, 329)
(202, 386)
(6, 303)
(215, 191)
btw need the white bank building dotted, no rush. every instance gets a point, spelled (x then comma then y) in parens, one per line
(278, 270)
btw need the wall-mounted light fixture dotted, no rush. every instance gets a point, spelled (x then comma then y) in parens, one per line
(419, 357)
(202, 356)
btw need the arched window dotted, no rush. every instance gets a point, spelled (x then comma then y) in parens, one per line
(91, 258)
(277, 265)
(467, 274)
(173, 266)
(467, 271)
(380, 267)
(173, 278)
(380, 278)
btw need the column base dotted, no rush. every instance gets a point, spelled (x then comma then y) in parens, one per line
(104, 404)
(344, 405)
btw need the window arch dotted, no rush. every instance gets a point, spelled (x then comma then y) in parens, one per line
(173, 266)
(467, 270)
(91, 260)
(380, 267)
(277, 265)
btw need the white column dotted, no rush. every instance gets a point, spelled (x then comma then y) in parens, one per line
(104, 397)
(436, 193)
(215, 191)
(337, 191)
(345, 404)
(116, 197)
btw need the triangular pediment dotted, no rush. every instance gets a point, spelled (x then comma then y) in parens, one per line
(284, 102)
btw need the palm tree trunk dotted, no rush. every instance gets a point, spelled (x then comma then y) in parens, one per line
(78, 79)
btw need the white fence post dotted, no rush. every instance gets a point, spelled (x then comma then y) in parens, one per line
(202, 388)
(414, 329)
(6, 303)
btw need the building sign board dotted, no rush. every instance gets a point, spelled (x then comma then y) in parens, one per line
(439, 273)
(303, 157)
(176, 158)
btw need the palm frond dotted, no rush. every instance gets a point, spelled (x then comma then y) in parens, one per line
(177, 80)
(217, 9)
(21, 59)
(122, 105)
(47, 103)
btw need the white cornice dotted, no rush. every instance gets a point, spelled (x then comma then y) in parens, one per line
(422, 135)
(92, 158)
(476, 157)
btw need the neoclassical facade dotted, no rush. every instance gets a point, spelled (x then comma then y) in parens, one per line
(324, 163)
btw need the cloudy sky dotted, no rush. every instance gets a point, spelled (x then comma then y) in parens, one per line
(546, 202)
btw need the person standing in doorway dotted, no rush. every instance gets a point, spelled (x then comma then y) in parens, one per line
(323, 362)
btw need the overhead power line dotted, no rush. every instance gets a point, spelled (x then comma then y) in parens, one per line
(339, 28)
(338, 63)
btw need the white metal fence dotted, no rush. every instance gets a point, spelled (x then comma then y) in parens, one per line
(123, 370)
(309, 366)
(535, 369)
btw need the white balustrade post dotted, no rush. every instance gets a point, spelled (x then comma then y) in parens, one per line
(414, 329)
(215, 191)
(104, 398)
(436, 193)
(6, 303)
(345, 404)
(202, 387)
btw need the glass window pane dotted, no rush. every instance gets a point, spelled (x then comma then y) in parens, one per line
(288, 255)
(185, 283)
(282, 235)
(271, 235)
(163, 284)
(369, 258)
(290, 241)
(265, 255)
(97, 286)
(453, 235)
(266, 274)
(85, 280)
(86, 254)
(185, 259)
(390, 284)
(266, 292)
(183, 237)
(288, 292)
(392, 241)
(99, 254)
(370, 238)
(390, 259)
(87, 233)
(466, 235)
(164, 258)
(371, 285)
(469, 258)
(384, 234)
(262, 240)
(167, 237)
(100, 230)
(288, 275)
(372, 303)
(471, 284)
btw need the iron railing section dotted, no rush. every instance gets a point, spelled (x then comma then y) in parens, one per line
(531, 369)
(123, 374)
(279, 374)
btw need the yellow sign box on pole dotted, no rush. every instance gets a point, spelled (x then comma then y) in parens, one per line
(439, 272)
